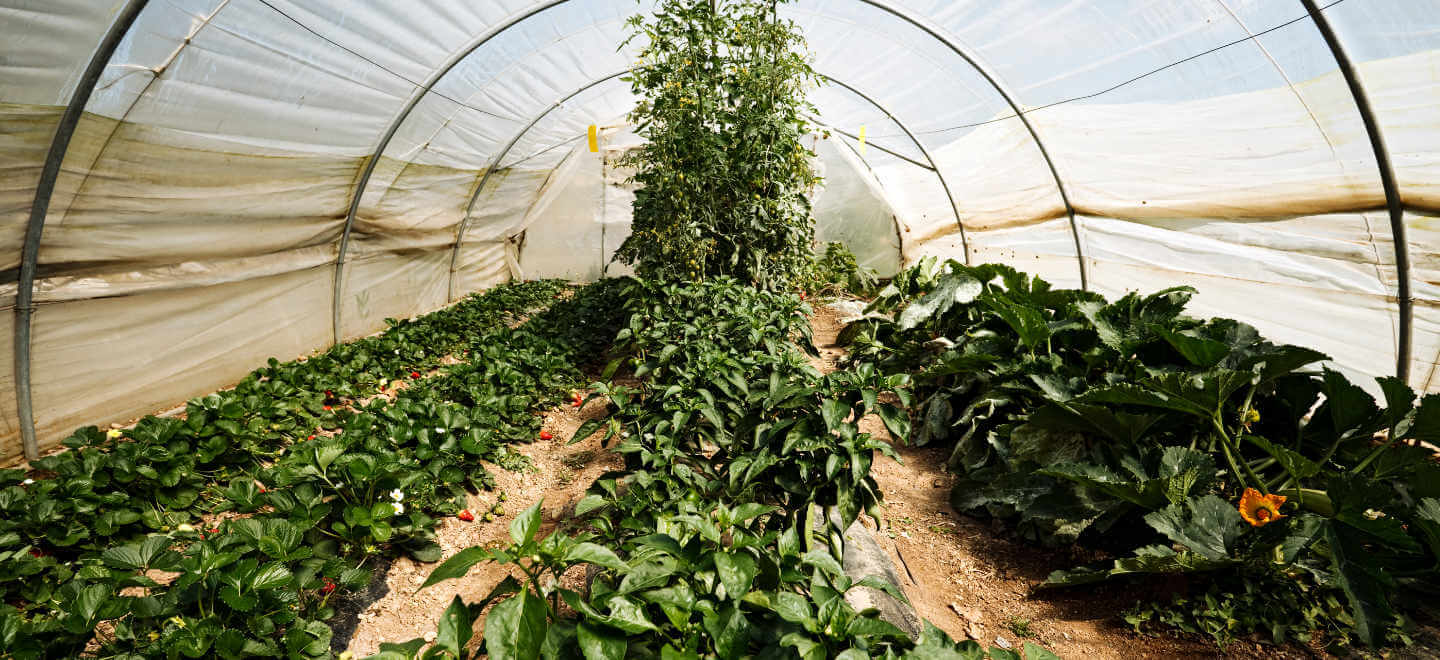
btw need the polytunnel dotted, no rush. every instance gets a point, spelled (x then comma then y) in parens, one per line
(193, 186)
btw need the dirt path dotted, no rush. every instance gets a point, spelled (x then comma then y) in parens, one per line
(974, 580)
(560, 475)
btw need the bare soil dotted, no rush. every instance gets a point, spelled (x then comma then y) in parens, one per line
(560, 474)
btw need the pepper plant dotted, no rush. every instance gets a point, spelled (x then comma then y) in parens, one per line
(703, 546)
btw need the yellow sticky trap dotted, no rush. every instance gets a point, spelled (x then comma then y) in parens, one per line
(862, 140)
(594, 139)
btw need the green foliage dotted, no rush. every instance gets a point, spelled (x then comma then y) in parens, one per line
(326, 481)
(1274, 606)
(724, 175)
(1128, 425)
(706, 544)
(836, 271)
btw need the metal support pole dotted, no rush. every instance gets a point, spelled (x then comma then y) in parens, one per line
(495, 164)
(883, 5)
(49, 173)
(1393, 201)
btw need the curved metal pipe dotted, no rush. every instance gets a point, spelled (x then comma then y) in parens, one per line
(940, 174)
(120, 28)
(1393, 201)
(155, 75)
(44, 189)
(883, 5)
(369, 170)
(940, 35)
(495, 164)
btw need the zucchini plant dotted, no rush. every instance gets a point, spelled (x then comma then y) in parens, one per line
(1183, 445)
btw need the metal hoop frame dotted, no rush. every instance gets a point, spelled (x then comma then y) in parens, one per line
(35, 228)
(1394, 203)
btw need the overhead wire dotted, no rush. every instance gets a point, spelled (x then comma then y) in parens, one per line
(380, 66)
(1124, 83)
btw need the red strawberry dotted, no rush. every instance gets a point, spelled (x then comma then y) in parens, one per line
(37, 553)
(579, 400)
(802, 295)
(466, 515)
(414, 375)
(329, 394)
(327, 407)
(545, 435)
(214, 530)
(329, 586)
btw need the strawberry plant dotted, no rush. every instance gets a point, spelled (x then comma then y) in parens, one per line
(326, 483)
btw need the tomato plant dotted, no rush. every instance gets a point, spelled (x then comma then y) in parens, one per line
(724, 174)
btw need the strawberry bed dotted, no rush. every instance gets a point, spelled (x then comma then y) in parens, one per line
(269, 498)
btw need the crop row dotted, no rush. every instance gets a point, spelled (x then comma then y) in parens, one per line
(722, 537)
(1181, 446)
(226, 532)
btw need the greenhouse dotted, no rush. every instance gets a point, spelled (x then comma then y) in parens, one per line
(1036, 328)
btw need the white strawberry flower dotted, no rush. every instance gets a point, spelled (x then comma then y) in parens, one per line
(27, 482)
(399, 508)
(397, 495)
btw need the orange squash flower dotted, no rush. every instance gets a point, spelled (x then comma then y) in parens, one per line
(1260, 510)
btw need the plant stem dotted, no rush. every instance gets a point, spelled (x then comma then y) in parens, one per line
(1230, 453)
(807, 525)
(1374, 454)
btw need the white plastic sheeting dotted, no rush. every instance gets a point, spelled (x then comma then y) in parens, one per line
(583, 215)
(195, 226)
